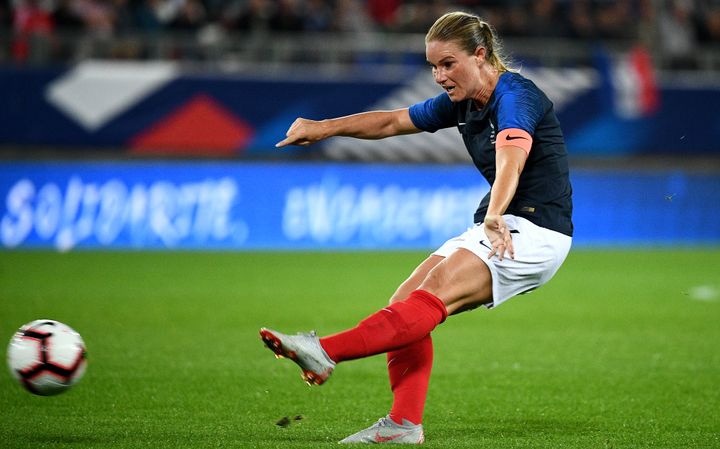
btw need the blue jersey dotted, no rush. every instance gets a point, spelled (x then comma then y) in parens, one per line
(544, 193)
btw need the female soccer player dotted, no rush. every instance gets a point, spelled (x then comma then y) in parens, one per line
(523, 227)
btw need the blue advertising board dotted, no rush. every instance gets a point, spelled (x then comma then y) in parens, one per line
(236, 206)
(233, 206)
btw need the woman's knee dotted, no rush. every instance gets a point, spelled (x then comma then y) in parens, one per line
(416, 279)
(436, 281)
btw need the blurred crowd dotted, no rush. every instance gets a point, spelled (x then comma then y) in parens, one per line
(674, 25)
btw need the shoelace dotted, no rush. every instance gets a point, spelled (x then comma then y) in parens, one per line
(385, 422)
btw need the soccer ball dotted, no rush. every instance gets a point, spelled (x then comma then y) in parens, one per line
(47, 357)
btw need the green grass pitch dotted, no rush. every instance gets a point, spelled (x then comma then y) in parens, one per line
(620, 350)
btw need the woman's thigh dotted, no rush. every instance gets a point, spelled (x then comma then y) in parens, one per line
(462, 281)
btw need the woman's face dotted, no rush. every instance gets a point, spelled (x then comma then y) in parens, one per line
(455, 70)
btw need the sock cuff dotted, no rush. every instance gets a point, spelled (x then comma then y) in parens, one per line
(431, 300)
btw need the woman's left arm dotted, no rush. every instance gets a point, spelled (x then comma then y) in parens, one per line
(509, 163)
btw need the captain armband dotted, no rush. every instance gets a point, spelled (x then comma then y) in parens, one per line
(516, 137)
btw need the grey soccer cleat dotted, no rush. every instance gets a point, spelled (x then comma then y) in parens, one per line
(303, 349)
(388, 431)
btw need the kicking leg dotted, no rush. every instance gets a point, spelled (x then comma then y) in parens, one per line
(457, 282)
(462, 280)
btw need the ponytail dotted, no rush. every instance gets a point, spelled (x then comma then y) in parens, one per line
(470, 32)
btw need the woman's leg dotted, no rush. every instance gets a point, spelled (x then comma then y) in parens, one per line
(409, 372)
(409, 367)
(456, 283)
(459, 281)
(462, 280)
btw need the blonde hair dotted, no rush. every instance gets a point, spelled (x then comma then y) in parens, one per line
(469, 32)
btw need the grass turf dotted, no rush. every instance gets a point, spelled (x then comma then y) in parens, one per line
(620, 350)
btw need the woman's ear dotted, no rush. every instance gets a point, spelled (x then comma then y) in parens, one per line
(480, 53)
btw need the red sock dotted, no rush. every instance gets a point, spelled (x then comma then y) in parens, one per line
(393, 327)
(409, 370)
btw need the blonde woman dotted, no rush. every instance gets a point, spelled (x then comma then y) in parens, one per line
(523, 227)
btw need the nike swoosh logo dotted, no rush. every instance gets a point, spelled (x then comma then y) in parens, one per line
(515, 137)
(382, 439)
(482, 242)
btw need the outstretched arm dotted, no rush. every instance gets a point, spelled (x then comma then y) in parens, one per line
(365, 125)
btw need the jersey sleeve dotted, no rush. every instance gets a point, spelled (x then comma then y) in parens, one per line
(520, 107)
(434, 113)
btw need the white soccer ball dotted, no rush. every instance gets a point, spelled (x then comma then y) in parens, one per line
(47, 357)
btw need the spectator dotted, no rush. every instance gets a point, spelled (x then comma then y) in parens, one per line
(33, 31)
(5, 14)
(417, 16)
(351, 16)
(95, 16)
(155, 15)
(517, 20)
(676, 26)
(615, 20)
(544, 20)
(287, 17)
(384, 12)
(580, 21)
(709, 20)
(191, 16)
(318, 15)
(253, 15)
(677, 35)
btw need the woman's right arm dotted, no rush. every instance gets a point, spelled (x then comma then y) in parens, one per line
(365, 125)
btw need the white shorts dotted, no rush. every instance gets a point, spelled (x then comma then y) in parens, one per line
(539, 252)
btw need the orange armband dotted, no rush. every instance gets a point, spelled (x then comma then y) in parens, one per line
(515, 137)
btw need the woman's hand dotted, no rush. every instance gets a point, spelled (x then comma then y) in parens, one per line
(303, 132)
(499, 235)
